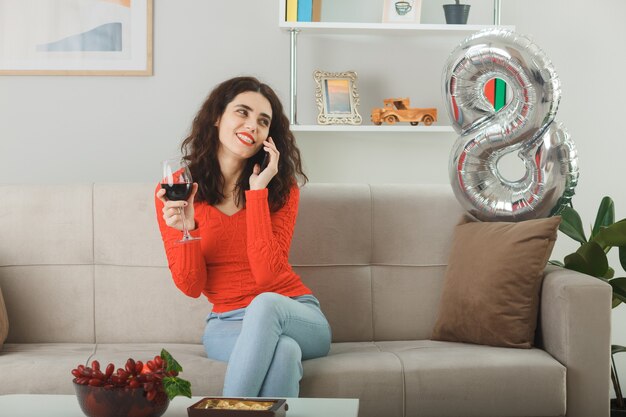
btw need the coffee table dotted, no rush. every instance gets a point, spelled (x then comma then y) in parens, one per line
(35, 405)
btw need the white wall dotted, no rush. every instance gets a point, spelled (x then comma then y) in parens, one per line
(60, 129)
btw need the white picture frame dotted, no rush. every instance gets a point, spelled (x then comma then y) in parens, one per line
(76, 37)
(337, 98)
(402, 11)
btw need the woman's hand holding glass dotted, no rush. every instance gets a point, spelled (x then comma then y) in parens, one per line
(177, 193)
(172, 210)
(259, 179)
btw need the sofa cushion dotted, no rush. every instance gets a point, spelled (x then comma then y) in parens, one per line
(494, 274)
(357, 370)
(340, 215)
(351, 370)
(49, 303)
(62, 233)
(485, 381)
(412, 224)
(142, 245)
(4, 321)
(345, 294)
(40, 368)
(401, 309)
(145, 290)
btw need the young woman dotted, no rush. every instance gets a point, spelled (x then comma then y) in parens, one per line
(265, 321)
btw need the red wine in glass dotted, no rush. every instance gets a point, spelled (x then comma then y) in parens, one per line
(177, 192)
(177, 183)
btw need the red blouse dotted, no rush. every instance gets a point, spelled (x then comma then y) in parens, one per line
(238, 256)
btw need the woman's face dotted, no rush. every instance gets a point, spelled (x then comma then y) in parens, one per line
(244, 125)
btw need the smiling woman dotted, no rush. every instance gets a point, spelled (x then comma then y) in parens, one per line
(246, 121)
(237, 112)
(265, 321)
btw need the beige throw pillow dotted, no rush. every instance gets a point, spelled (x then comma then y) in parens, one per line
(493, 279)
(4, 321)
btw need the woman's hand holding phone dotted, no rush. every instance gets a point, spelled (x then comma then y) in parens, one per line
(262, 176)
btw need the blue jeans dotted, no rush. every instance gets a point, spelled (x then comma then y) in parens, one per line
(266, 342)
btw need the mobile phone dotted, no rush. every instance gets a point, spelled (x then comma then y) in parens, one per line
(266, 160)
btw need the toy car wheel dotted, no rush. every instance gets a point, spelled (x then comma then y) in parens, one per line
(428, 120)
(414, 123)
(391, 119)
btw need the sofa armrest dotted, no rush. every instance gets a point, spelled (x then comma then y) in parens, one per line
(575, 328)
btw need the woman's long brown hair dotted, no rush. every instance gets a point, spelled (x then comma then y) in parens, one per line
(200, 147)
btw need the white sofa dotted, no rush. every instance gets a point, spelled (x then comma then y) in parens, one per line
(84, 275)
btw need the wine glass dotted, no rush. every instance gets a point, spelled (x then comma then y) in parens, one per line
(177, 183)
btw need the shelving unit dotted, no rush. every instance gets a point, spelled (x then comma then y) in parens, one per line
(371, 128)
(351, 28)
(334, 28)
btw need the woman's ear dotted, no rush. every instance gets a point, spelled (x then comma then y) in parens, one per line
(217, 122)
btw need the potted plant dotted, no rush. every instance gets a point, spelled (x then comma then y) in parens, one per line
(591, 259)
(456, 14)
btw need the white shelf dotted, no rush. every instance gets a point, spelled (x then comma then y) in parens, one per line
(375, 29)
(350, 28)
(372, 129)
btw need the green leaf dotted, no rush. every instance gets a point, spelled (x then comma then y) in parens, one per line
(619, 288)
(175, 386)
(617, 349)
(571, 225)
(616, 302)
(589, 259)
(613, 235)
(605, 216)
(576, 262)
(610, 273)
(172, 365)
(622, 256)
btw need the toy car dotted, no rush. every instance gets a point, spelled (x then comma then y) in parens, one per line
(397, 110)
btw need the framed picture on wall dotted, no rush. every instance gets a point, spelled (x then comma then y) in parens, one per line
(402, 11)
(76, 37)
(337, 98)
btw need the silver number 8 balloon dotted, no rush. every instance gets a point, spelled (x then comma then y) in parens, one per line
(524, 125)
